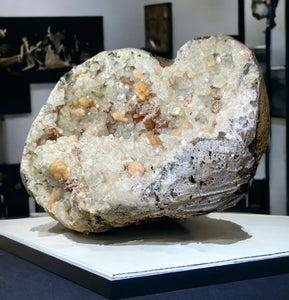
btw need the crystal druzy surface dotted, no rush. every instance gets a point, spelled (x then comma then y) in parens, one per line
(127, 138)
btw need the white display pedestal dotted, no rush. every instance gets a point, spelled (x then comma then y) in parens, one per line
(219, 247)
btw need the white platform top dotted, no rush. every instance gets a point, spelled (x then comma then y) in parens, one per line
(205, 241)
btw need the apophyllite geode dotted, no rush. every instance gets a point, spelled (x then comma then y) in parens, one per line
(127, 138)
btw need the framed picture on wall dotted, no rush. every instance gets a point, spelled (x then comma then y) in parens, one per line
(158, 29)
(42, 49)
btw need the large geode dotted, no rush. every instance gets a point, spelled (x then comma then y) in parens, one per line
(128, 138)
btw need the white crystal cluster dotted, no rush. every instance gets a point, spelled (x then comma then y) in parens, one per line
(123, 139)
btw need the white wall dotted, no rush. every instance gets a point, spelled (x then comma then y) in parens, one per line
(254, 29)
(195, 18)
(123, 19)
(278, 167)
(278, 45)
(255, 32)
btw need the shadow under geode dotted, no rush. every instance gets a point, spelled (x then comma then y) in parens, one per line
(201, 229)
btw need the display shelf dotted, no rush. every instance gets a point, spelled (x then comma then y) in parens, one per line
(158, 257)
